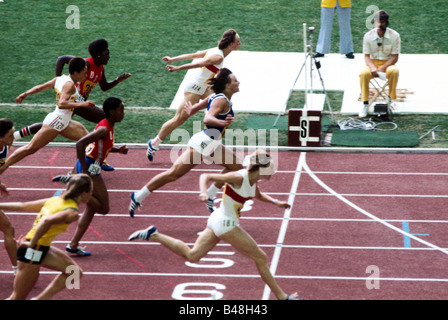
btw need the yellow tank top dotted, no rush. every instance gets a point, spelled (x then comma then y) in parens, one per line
(51, 207)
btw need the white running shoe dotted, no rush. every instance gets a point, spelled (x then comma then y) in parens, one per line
(143, 234)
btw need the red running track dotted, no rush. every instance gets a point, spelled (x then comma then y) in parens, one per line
(323, 248)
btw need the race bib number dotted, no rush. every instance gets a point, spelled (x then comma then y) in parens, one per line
(95, 169)
(81, 98)
(57, 124)
(33, 255)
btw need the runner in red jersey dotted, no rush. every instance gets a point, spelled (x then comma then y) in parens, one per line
(94, 75)
(99, 51)
(98, 150)
(92, 150)
(99, 57)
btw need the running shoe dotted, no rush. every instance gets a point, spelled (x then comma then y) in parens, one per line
(78, 251)
(151, 150)
(143, 234)
(210, 204)
(134, 205)
(107, 167)
(64, 178)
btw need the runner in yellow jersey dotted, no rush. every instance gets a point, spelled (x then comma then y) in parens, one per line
(35, 248)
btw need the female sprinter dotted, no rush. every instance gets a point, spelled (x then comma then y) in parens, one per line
(208, 64)
(99, 57)
(59, 122)
(92, 150)
(204, 144)
(6, 140)
(223, 223)
(35, 249)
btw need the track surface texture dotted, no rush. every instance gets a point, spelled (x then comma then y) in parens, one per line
(361, 226)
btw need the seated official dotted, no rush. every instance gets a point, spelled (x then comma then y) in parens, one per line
(381, 47)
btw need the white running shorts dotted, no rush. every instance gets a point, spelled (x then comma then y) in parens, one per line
(57, 122)
(221, 223)
(203, 144)
(195, 87)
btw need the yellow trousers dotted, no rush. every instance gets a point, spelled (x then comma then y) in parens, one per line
(366, 75)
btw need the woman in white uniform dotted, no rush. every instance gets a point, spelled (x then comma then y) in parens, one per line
(58, 122)
(207, 65)
(223, 223)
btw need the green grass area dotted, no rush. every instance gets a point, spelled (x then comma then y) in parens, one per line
(140, 32)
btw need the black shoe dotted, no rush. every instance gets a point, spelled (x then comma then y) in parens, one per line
(350, 55)
(318, 55)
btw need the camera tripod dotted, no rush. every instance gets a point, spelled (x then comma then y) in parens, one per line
(313, 63)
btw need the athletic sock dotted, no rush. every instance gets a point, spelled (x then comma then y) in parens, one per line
(141, 195)
(212, 191)
(19, 134)
(156, 142)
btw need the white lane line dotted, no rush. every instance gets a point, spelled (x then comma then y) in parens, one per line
(314, 247)
(279, 171)
(221, 275)
(284, 226)
(364, 212)
(306, 194)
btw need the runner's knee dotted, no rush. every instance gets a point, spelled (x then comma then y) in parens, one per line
(260, 257)
(104, 210)
(7, 229)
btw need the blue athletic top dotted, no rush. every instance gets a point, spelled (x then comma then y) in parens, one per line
(216, 132)
(3, 154)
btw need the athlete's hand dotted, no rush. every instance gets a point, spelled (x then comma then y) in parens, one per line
(123, 150)
(23, 242)
(171, 68)
(229, 119)
(282, 204)
(22, 97)
(89, 104)
(3, 190)
(203, 197)
(123, 77)
(167, 59)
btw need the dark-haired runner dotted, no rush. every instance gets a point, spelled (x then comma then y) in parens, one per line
(92, 151)
(205, 144)
(207, 65)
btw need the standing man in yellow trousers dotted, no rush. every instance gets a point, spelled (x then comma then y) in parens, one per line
(381, 47)
(328, 9)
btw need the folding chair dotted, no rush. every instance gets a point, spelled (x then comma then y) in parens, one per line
(377, 90)
(379, 96)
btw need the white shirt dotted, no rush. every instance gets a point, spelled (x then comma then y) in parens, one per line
(60, 82)
(234, 198)
(381, 48)
(201, 75)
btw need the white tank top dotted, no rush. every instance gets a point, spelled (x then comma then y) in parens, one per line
(201, 75)
(234, 198)
(60, 82)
